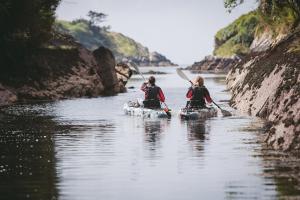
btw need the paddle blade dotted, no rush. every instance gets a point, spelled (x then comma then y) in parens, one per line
(181, 74)
(226, 113)
(168, 112)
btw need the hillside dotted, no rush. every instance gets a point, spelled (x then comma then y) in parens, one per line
(124, 48)
(255, 31)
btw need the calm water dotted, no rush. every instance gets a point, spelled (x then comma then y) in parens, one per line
(88, 149)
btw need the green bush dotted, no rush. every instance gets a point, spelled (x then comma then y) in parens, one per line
(237, 37)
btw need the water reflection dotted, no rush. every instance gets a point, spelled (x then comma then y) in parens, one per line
(27, 161)
(154, 130)
(197, 132)
(284, 169)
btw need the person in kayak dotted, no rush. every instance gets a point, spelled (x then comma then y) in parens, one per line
(153, 94)
(197, 94)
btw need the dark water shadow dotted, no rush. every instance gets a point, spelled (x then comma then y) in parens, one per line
(27, 157)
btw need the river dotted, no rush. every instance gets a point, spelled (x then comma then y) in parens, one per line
(88, 149)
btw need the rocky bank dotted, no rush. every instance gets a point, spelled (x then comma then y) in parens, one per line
(214, 64)
(265, 78)
(267, 84)
(64, 68)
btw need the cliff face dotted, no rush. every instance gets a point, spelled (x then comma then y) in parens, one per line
(124, 48)
(268, 85)
(65, 69)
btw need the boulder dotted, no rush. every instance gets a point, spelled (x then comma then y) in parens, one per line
(123, 73)
(106, 70)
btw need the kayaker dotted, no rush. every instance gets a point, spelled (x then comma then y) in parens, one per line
(153, 94)
(197, 94)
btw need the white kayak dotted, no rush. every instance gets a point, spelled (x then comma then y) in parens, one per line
(137, 109)
(204, 113)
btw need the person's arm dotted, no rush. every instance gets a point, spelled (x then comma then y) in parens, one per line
(144, 86)
(189, 94)
(161, 95)
(207, 96)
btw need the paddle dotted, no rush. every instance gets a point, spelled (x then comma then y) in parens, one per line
(183, 76)
(167, 110)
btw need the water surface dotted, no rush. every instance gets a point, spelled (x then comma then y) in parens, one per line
(88, 149)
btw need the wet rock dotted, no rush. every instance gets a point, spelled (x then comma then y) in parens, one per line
(123, 74)
(106, 69)
(6, 96)
(151, 72)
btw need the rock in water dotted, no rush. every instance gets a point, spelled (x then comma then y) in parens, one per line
(106, 69)
(123, 73)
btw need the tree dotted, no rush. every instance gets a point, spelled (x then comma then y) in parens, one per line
(230, 4)
(25, 26)
(96, 17)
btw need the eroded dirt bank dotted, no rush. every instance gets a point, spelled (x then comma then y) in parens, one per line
(65, 69)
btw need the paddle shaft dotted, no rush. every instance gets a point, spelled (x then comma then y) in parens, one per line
(182, 75)
(216, 105)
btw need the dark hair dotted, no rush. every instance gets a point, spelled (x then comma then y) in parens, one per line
(152, 80)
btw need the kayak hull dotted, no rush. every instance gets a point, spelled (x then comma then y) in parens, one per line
(198, 113)
(133, 109)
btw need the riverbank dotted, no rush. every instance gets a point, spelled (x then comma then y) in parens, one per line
(63, 68)
(267, 85)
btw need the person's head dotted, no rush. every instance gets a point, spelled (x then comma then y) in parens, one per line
(151, 80)
(199, 81)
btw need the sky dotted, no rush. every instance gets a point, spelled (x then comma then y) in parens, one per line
(182, 30)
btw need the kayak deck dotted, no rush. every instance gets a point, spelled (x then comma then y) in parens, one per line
(135, 109)
(204, 113)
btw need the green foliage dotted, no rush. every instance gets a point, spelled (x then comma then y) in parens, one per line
(230, 4)
(25, 26)
(279, 18)
(230, 48)
(94, 36)
(275, 16)
(237, 37)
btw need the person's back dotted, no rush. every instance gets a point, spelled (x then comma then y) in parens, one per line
(153, 94)
(197, 94)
